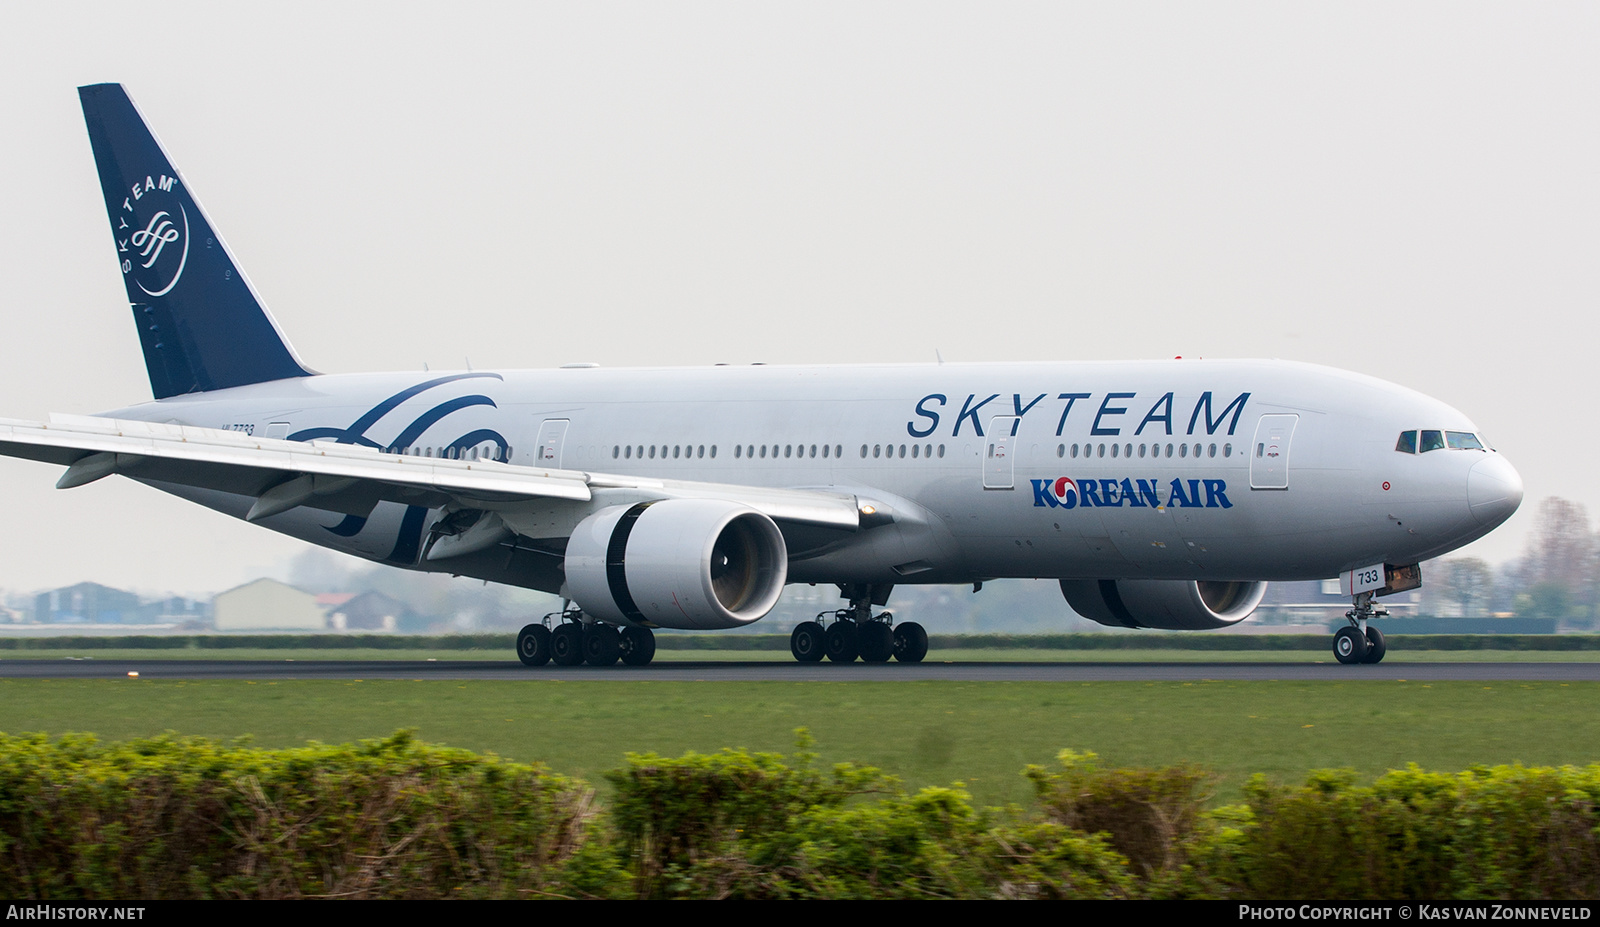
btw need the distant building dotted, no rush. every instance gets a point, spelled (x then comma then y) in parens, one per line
(176, 610)
(369, 611)
(87, 603)
(329, 601)
(267, 605)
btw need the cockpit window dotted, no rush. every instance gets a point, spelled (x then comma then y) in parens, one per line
(1438, 440)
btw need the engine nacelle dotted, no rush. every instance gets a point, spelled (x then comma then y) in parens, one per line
(693, 564)
(1167, 604)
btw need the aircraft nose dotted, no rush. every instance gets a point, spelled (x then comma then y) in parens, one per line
(1494, 490)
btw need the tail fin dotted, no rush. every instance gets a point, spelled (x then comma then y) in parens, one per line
(200, 323)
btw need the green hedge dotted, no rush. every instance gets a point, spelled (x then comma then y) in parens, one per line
(1507, 832)
(742, 825)
(191, 818)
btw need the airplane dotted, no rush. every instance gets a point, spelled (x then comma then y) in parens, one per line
(1160, 494)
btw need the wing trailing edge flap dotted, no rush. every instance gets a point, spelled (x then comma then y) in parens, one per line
(351, 479)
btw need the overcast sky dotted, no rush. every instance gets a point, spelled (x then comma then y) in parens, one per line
(1406, 190)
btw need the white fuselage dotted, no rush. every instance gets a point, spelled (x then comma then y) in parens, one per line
(1181, 469)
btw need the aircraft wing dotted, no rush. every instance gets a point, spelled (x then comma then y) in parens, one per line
(351, 479)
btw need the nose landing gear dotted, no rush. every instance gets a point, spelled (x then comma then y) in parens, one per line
(1361, 643)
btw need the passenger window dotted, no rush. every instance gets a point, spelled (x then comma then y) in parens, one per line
(1463, 441)
(1408, 442)
(1432, 441)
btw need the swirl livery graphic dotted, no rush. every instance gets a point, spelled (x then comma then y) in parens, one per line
(408, 542)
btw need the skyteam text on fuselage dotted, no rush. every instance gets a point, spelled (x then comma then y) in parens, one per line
(1161, 494)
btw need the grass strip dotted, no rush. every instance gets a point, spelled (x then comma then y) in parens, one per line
(931, 733)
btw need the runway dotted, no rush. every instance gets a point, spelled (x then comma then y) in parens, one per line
(1080, 671)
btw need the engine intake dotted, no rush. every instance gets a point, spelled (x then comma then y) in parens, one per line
(1167, 604)
(693, 564)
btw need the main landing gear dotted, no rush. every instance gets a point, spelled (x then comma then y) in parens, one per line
(575, 639)
(856, 632)
(1360, 642)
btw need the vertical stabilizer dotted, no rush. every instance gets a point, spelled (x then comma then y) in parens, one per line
(200, 323)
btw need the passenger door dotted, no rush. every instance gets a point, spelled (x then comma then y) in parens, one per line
(999, 453)
(1269, 455)
(552, 434)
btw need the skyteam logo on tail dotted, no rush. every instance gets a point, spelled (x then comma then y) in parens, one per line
(153, 235)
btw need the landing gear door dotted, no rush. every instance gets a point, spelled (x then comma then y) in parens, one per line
(999, 452)
(551, 435)
(1269, 455)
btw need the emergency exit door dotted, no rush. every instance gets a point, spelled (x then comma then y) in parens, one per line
(1269, 455)
(999, 458)
(552, 433)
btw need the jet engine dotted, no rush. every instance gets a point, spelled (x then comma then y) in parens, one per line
(1167, 604)
(692, 564)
